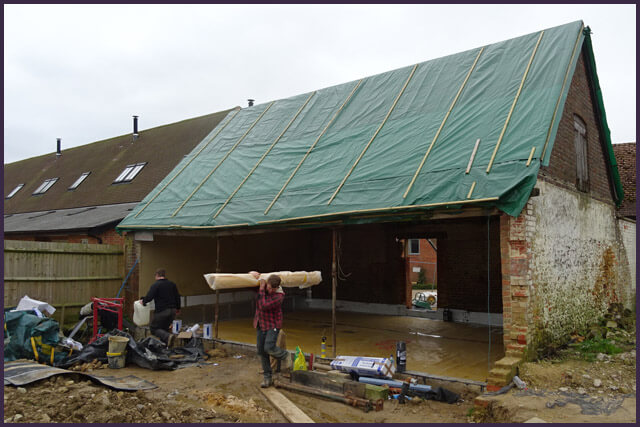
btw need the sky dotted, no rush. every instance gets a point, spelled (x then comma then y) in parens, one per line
(80, 72)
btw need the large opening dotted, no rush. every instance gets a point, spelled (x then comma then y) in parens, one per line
(460, 335)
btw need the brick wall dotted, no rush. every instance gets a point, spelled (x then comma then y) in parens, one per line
(107, 237)
(626, 159)
(562, 163)
(462, 266)
(515, 254)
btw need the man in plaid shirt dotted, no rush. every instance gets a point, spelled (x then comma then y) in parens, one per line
(268, 322)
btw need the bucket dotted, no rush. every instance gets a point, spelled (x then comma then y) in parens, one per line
(118, 344)
(116, 362)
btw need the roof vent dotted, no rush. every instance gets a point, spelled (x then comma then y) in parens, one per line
(250, 102)
(135, 128)
(59, 151)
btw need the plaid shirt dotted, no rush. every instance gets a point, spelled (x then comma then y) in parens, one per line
(268, 310)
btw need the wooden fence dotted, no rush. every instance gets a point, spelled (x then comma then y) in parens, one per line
(63, 274)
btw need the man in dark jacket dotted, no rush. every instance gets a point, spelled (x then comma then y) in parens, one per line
(167, 302)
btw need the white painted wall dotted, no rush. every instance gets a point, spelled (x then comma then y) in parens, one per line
(628, 230)
(577, 250)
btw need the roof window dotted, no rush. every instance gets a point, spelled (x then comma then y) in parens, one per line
(14, 191)
(129, 173)
(79, 180)
(47, 184)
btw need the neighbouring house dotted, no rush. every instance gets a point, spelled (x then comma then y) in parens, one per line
(501, 154)
(626, 158)
(423, 260)
(79, 195)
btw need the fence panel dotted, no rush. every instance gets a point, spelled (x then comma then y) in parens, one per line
(61, 273)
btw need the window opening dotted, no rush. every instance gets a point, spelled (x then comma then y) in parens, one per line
(79, 180)
(580, 138)
(14, 191)
(46, 185)
(414, 246)
(129, 172)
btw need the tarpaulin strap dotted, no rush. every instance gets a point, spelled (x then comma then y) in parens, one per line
(313, 145)
(70, 351)
(114, 354)
(453, 103)
(393, 106)
(53, 350)
(515, 101)
(264, 155)
(564, 83)
(222, 160)
(188, 163)
(35, 351)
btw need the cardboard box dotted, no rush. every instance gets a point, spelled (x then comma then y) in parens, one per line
(365, 366)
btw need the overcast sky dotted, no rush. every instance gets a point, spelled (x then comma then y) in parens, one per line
(79, 72)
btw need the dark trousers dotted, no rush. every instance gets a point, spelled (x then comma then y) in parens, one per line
(162, 322)
(266, 344)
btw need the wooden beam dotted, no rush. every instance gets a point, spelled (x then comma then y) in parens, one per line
(291, 412)
(217, 290)
(334, 285)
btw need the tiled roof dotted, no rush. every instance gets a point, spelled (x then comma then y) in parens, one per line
(626, 158)
(161, 148)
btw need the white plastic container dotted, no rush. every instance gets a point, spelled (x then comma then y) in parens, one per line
(142, 313)
(176, 326)
(206, 331)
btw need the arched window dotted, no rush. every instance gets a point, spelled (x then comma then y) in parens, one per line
(582, 168)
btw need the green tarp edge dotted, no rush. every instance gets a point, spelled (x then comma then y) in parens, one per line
(602, 116)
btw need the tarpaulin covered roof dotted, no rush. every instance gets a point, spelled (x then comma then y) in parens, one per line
(470, 128)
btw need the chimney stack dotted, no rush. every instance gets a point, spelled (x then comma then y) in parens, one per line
(58, 152)
(135, 128)
(250, 102)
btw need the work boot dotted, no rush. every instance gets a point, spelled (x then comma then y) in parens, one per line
(267, 382)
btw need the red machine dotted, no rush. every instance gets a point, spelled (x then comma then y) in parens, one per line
(113, 305)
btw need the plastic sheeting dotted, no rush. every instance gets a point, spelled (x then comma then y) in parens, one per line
(354, 148)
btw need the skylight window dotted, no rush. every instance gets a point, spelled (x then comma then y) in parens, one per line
(129, 173)
(14, 191)
(47, 184)
(79, 180)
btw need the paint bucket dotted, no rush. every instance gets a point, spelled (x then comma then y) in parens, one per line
(206, 331)
(117, 344)
(401, 356)
(176, 326)
(116, 362)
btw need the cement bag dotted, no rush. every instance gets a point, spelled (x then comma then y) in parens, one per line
(299, 364)
(141, 313)
(290, 279)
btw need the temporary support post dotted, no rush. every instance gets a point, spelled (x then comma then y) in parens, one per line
(215, 320)
(334, 285)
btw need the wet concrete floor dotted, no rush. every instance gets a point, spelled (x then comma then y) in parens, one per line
(433, 346)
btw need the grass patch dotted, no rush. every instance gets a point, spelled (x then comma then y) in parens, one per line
(590, 348)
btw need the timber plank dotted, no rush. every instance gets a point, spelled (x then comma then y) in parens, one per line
(290, 411)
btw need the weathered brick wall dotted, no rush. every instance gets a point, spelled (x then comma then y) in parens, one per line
(626, 159)
(628, 232)
(578, 265)
(562, 163)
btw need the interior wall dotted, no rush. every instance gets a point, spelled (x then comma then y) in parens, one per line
(185, 259)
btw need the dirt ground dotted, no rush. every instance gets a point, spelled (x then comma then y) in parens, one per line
(568, 388)
(565, 388)
(224, 390)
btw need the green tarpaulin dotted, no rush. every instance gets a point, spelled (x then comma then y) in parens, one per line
(393, 142)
